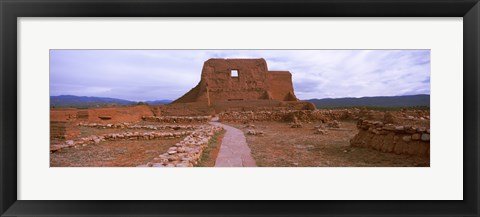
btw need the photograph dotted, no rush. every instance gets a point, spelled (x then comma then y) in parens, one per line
(239, 108)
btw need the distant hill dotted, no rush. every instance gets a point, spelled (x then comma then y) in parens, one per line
(66, 101)
(158, 102)
(70, 101)
(378, 101)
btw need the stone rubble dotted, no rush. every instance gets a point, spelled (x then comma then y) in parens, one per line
(255, 133)
(96, 139)
(187, 152)
(282, 115)
(250, 126)
(324, 115)
(296, 123)
(333, 124)
(178, 119)
(135, 126)
(320, 131)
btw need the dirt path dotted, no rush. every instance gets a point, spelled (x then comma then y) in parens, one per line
(234, 151)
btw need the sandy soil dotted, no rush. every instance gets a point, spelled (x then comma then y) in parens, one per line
(283, 146)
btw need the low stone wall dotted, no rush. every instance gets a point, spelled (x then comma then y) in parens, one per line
(286, 115)
(94, 139)
(399, 139)
(178, 119)
(182, 109)
(408, 116)
(187, 152)
(135, 126)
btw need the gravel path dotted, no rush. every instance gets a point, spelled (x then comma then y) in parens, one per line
(234, 151)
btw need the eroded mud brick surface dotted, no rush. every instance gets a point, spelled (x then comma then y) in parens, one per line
(239, 80)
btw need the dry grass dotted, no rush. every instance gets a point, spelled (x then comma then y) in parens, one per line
(210, 154)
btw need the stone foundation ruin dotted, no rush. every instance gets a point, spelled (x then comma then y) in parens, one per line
(392, 138)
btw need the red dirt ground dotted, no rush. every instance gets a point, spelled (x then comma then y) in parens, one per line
(123, 153)
(283, 146)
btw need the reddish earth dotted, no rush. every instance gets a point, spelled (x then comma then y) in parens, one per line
(283, 146)
(111, 154)
(279, 145)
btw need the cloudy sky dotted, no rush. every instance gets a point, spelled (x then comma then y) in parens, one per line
(142, 75)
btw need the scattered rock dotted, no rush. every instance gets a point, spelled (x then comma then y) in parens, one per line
(333, 124)
(319, 127)
(254, 132)
(178, 119)
(425, 137)
(416, 136)
(320, 132)
(187, 152)
(410, 129)
(389, 127)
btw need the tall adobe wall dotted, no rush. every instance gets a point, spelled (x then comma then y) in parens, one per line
(281, 86)
(254, 82)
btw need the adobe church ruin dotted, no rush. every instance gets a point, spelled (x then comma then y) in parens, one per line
(236, 85)
(226, 80)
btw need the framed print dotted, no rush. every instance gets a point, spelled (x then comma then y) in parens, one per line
(230, 108)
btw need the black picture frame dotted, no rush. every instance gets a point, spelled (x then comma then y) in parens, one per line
(10, 10)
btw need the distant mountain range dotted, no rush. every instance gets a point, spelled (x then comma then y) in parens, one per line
(377, 101)
(158, 102)
(70, 101)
